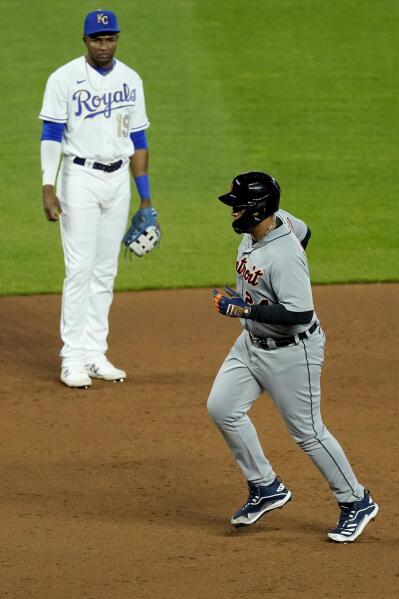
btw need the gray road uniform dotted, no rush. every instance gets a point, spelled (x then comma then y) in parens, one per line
(285, 361)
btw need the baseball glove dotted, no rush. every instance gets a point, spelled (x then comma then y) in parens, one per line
(144, 233)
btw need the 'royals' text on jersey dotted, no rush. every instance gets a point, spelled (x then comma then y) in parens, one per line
(99, 111)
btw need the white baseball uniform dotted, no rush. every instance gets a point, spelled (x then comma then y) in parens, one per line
(100, 112)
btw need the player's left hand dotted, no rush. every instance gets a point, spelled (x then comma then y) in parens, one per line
(232, 306)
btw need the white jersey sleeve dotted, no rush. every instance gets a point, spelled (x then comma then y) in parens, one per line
(139, 119)
(55, 101)
(298, 226)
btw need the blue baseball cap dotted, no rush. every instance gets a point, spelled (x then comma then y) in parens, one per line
(100, 21)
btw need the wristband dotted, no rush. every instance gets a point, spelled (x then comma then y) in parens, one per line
(143, 186)
(246, 312)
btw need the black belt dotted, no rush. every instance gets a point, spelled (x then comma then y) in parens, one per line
(271, 343)
(108, 168)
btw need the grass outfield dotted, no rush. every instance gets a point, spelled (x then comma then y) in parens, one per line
(301, 88)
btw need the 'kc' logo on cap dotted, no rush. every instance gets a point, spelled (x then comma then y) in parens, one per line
(102, 19)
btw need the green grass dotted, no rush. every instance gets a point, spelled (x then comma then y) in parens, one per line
(304, 89)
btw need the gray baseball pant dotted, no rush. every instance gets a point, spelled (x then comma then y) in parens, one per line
(291, 376)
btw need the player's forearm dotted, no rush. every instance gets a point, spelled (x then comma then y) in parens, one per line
(50, 154)
(139, 163)
(278, 314)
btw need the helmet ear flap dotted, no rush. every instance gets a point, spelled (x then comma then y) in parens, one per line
(245, 223)
(253, 215)
(267, 206)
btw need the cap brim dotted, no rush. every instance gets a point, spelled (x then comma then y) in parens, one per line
(229, 198)
(102, 32)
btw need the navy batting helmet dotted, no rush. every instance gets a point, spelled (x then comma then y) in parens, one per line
(256, 193)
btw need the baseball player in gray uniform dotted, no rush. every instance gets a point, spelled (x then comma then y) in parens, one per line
(280, 351)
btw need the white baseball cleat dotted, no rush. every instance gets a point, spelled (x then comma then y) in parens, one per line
(103, 369)
(75, 377)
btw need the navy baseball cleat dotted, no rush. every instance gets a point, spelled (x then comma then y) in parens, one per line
(261, 500)
(353, 519)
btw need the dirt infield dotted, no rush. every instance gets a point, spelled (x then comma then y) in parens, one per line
(126, 490)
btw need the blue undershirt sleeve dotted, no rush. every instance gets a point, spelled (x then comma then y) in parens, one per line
(52, 131)
(139, 140)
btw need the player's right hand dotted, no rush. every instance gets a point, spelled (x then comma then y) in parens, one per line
(229, 306)
(51, 204)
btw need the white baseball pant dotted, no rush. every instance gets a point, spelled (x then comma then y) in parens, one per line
(95, 206)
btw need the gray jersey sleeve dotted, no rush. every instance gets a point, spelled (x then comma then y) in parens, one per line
(298, 226)
(289, 277)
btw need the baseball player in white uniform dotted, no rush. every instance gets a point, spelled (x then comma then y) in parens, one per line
(280, 351)
(94, 117)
